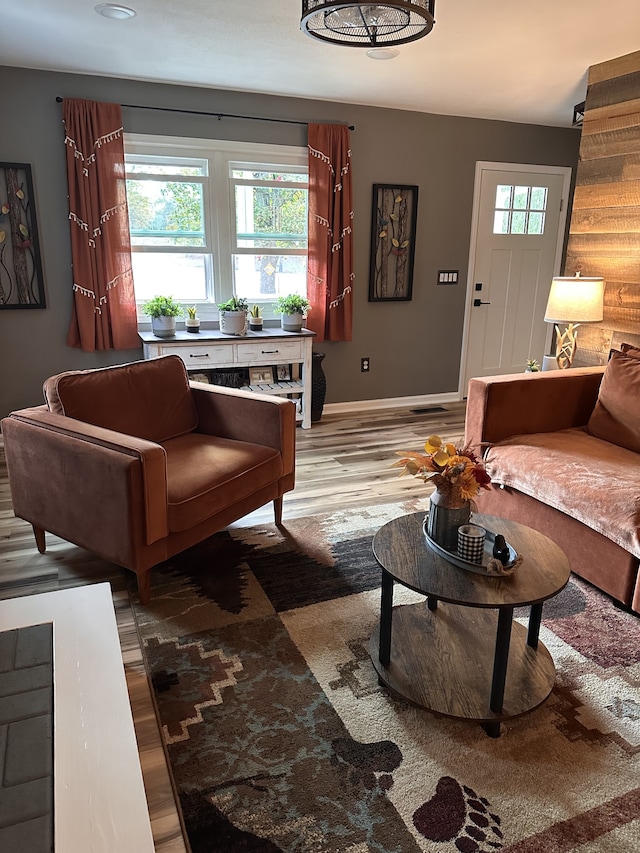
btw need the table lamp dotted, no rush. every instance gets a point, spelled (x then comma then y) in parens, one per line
(573, 300)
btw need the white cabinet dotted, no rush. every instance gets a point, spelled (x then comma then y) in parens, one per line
(210, 349)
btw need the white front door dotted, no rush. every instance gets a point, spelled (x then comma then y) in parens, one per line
(516, 245)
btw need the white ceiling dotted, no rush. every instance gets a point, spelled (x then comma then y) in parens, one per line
(500, 59)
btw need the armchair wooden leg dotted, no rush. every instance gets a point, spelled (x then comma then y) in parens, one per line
(277, 508)
(38, 532)
(144, 587)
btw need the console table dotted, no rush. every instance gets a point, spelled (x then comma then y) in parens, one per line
(211, 349)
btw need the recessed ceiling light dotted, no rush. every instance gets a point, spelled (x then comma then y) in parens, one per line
(112, 10)
(382, 53)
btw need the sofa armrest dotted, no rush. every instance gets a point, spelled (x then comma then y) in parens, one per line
(245, 416)
(525, 403)
(45, 450)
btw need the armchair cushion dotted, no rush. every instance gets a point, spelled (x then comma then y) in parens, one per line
(147, 399)
(206, 473)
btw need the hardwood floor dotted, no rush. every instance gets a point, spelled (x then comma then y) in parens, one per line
(342, 461)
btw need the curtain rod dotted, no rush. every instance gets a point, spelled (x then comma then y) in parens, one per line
(206, 113)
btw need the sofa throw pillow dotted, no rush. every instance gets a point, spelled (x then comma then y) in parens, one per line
(148, 399)
(616, 415)
(629, 349)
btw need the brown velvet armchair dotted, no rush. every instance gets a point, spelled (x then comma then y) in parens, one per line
(136, 463)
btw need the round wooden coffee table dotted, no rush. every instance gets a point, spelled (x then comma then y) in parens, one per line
(466, 659)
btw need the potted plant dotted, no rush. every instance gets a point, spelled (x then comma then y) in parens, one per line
(256, 319)
(192, 323)
(163, 311)
(293, 309)
(233, 315)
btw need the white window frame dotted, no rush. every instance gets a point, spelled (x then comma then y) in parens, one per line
(219, 201)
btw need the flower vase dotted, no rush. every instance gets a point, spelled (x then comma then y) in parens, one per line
(445, 517)
(318, 386)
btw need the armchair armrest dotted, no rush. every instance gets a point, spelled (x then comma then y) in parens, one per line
(520, 404)
(245, 416)
(45, 450)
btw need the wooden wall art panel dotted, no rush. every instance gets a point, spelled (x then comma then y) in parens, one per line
(604, 235)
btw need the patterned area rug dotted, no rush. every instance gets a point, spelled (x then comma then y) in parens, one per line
(281, 739)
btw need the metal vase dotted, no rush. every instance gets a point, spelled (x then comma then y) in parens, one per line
(443, 521)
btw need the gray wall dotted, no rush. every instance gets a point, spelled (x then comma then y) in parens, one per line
(414, 346)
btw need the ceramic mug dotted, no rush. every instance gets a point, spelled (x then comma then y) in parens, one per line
(471, 542)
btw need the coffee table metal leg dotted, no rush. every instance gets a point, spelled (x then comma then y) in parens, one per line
(535, 617)
(386, 611)
(503, 638)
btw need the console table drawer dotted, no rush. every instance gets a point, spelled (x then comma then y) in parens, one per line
(202, 356)
(269, 351)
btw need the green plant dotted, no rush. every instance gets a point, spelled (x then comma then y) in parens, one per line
(192, 311)
(533, 365)
(162, 306)
(236, 303)
(293, 304)
(256, 311)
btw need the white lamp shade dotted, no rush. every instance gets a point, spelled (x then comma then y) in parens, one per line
(574, 299)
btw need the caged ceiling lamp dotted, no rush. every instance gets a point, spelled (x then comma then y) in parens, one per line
(367, 24)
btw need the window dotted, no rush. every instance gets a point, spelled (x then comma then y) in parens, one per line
(210, 219)
(520, 210)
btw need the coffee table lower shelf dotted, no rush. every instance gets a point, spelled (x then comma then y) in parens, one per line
(443, 660)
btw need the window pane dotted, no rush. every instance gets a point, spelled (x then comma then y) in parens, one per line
(501, 222)
(165, 213)
(520, 197)
(164, 169)
(270, 217)
(536, 223)
(247, 175)
(538, 198)
(269, 276)
(167, 274)
(518, 222)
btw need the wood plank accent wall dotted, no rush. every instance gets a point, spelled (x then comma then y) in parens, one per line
(604, 235)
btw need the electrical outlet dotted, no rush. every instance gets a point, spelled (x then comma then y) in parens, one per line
(365, 364)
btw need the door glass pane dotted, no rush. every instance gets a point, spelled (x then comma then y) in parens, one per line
(503, 196)
(501, 222)
(536, 223)
(518, 221)
(520, 197)
(538, 198)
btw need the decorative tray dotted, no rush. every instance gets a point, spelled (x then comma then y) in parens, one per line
(489, 566)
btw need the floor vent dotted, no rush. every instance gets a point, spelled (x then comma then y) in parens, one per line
(430, 410)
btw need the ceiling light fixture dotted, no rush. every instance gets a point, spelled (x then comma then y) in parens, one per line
(383, 53)
(114, 11)
(369, 25)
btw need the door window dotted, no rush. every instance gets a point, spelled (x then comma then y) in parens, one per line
(519, 210)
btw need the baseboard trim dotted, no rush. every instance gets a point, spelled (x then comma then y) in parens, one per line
(418, 401)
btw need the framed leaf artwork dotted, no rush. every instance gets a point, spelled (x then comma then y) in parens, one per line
(21, 282)
(393, 233)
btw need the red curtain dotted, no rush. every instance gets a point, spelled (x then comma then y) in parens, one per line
(104, 306)
(330, 276)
